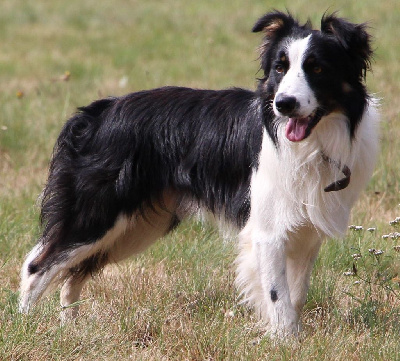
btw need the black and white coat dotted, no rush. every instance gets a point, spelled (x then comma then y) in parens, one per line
(274, 163)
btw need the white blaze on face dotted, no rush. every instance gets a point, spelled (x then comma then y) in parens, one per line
(294, 83)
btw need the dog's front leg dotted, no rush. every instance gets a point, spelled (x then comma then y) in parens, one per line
(277, 307)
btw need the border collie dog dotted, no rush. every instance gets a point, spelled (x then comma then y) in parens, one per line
(275, 163)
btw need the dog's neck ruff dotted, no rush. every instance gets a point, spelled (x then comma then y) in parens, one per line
(341, 183)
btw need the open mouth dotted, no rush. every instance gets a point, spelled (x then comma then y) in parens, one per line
(298, 129)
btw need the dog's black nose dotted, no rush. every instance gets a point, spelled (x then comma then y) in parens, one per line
(285, 104)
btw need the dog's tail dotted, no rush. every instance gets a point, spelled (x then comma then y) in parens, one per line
(60, 203)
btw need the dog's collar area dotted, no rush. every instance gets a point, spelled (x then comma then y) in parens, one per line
(341, 183)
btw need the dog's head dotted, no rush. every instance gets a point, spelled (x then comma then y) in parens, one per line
(310, 73)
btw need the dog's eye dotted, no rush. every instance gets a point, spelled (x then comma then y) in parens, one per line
(279, 69)
(317, 69)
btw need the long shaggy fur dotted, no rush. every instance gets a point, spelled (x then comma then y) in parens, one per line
(125, 171)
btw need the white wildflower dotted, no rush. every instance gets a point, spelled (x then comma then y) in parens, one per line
(393, 235)
(376, 252)
(356, 228)
(395, 221)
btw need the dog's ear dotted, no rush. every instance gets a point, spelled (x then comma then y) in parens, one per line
(354, 39)
(273, 24)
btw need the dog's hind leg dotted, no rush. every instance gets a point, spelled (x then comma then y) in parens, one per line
(140, 233)
(78, 276)
(70, 295)
(47, 265)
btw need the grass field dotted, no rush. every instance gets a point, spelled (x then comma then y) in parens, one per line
(177, 301)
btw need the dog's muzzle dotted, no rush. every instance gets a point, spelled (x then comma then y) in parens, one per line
(298, 127)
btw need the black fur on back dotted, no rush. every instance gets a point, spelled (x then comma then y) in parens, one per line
(118, 155)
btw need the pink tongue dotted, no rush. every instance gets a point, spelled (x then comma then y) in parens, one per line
(295, 129)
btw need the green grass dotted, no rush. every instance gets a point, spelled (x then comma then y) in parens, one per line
(178, 301)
